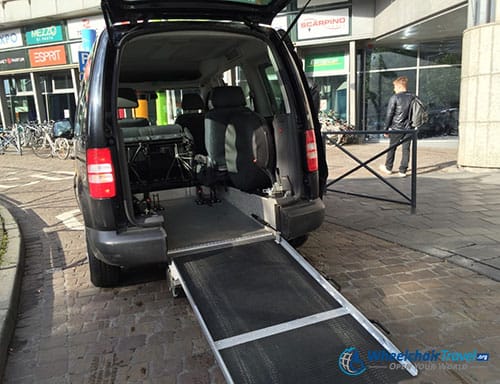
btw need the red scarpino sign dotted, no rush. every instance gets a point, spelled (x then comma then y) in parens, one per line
(48, 56)
(332, 23)
(323, 24)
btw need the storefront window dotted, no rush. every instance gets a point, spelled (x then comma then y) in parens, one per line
(57, 105)
(438, 69)
(440, 90)
(333, 95)
(439, 53)
(379, 89)
(386, 58)
(62, 80)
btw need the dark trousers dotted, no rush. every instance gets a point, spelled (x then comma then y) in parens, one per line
(389, 162)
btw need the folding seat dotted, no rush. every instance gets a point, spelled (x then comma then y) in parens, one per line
(193, 118)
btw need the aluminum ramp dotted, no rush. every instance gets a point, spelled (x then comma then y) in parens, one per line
(270, 317)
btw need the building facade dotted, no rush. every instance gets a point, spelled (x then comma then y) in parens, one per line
(351, 49)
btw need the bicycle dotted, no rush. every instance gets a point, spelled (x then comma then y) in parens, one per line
(46, 146)
(331, 123)
(10, 137)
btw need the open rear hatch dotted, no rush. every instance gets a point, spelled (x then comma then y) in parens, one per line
(251, 11)
(272, 318)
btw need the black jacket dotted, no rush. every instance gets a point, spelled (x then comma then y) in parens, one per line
(398, 111)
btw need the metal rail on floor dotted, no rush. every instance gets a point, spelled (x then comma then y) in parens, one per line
(411, 135)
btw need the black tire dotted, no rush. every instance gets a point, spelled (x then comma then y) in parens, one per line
(41, 148)
(298, 241)
(102, 274)
(62, 148)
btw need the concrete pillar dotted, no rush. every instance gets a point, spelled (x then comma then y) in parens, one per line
(4, 106)
(352, 83)
(479, 142)
(41, 110)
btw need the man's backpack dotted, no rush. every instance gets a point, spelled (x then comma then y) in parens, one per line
(418, 115)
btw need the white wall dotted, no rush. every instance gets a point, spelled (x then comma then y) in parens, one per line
(391, 15)
(363, 13)
(17, 12)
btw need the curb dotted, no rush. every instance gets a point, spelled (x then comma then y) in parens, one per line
(10, 276)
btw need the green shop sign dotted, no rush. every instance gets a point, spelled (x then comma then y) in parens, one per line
(49, 34)
(323, 63)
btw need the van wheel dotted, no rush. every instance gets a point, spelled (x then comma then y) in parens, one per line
(298, 241)
(102, 274)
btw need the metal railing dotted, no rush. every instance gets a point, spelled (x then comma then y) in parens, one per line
(409, 135)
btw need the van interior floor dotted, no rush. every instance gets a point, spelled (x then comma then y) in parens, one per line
(188, 223)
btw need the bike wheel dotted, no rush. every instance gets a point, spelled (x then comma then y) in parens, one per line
(62, 148)
(41, 147)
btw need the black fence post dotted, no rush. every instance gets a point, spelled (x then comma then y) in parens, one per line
(414, 172)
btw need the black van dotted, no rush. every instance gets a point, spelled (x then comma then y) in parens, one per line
(195, 125)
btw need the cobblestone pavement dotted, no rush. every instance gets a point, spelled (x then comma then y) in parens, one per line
(71, 332)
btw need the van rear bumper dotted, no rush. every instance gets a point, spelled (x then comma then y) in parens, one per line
(134, 247)
(301, 218)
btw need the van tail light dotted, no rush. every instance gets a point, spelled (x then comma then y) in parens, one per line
(100, 173)
(311, 151)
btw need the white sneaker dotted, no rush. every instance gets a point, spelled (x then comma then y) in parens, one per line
(384, 169)
(401, 174)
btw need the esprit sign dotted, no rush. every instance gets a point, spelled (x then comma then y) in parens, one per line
(48, 56)
(49, 34)
(11, 39)
(323, 24)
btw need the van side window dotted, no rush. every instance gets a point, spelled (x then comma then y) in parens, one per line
(81, 114)
(273, 90)
(236, 76)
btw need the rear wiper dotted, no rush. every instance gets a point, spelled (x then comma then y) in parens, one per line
(295, 21)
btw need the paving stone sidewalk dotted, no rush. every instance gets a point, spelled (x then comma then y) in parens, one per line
(71, 332)
(458, 210)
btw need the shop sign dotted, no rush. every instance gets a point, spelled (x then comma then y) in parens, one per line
(74, 49)
(13, 60)
(49, 34)
(48, 56)
(324, 63)
(75, 26)
(280, 22)
(323, 24)
(11, 39)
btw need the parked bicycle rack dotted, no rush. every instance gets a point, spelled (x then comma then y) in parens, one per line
(410, 135)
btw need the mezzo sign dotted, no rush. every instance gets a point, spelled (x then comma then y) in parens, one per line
(49, 34)
(11, 39)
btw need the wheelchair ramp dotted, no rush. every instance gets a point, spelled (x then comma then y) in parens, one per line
(271, 318)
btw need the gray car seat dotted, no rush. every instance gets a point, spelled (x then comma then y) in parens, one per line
(225, 101)
(248, 147)
(238, 140)
(193, 118)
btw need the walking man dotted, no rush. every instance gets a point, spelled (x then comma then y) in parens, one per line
(397, 118)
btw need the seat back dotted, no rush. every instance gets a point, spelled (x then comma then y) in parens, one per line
(249, 151)
(238, 140)
(226, 101)
(193, 118)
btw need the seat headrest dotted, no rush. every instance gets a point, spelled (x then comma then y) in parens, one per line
(227, 97)
(127, 98)
(192, 102)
